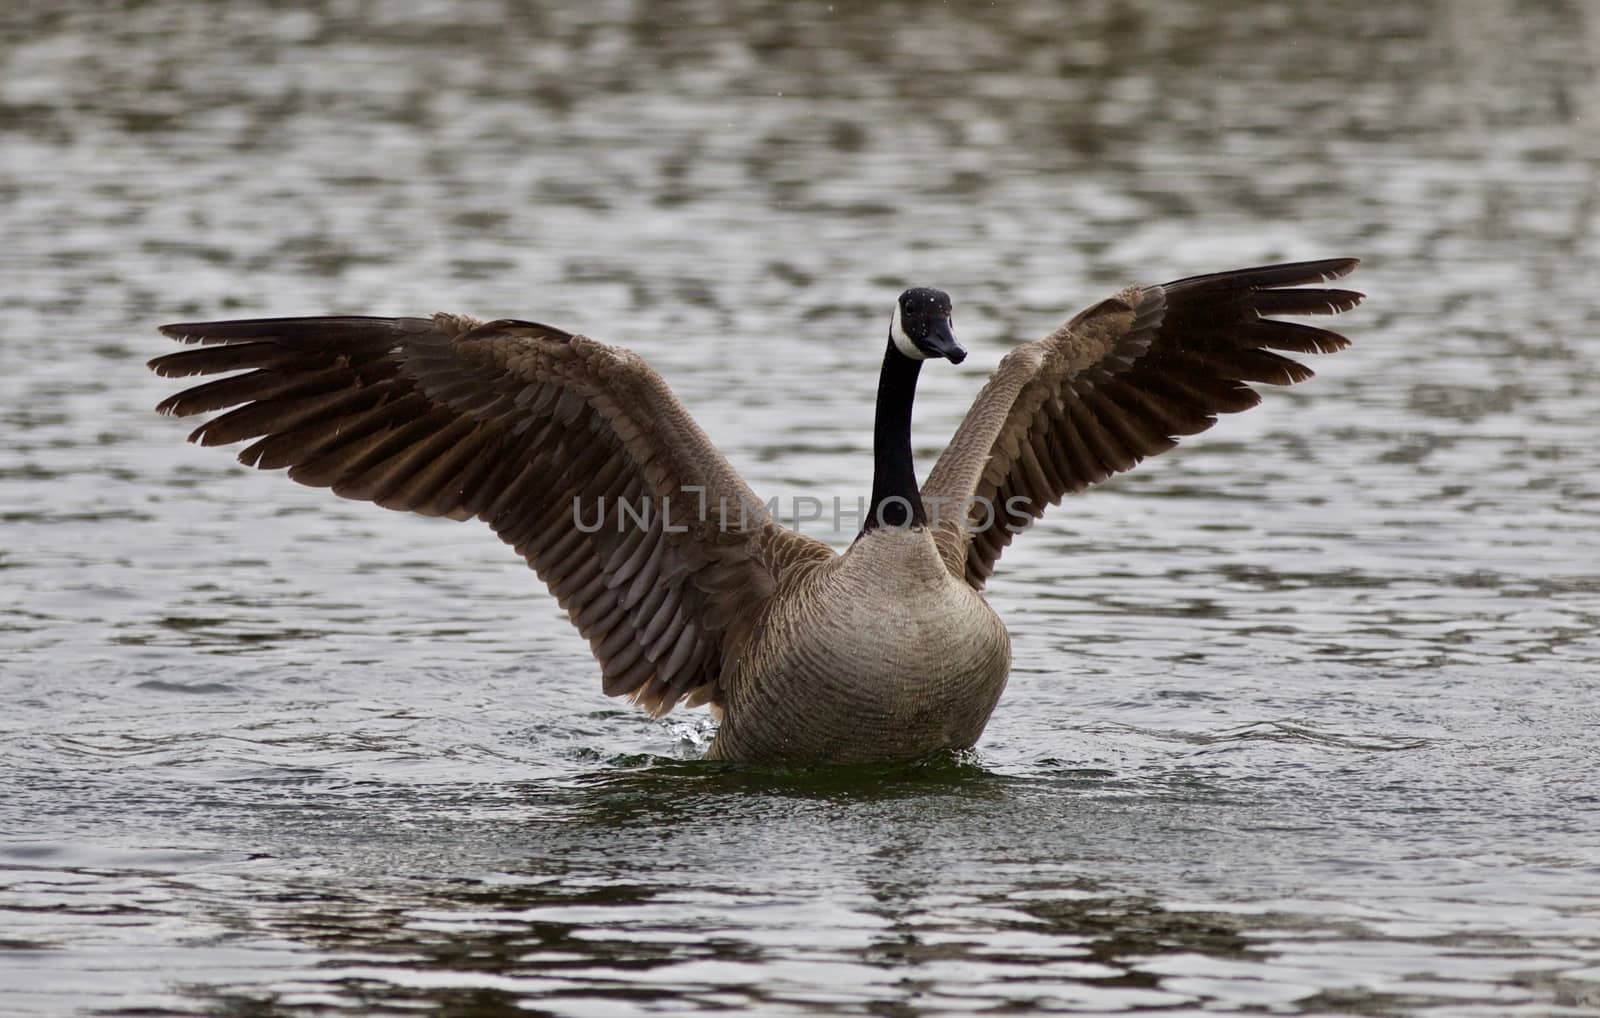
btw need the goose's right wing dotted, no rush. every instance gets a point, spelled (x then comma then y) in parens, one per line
(1119, 382)
(532, 430)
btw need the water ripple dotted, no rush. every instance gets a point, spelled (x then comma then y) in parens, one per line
(1301, 716)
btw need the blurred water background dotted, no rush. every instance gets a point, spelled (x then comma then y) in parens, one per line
(1303, 716)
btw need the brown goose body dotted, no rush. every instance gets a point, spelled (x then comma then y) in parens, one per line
(877, 654)
(578, 456)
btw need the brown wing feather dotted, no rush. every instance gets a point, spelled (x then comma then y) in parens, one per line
(532, 430)
(1119, 382)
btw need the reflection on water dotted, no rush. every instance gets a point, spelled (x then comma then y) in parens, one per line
(1302, 715)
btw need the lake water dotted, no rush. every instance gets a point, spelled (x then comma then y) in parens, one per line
(1303, 716)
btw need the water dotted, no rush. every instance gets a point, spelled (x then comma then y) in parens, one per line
(1302, 716)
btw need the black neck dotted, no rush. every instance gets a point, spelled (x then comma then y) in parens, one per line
(895, 501)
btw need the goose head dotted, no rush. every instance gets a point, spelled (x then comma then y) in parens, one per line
(921, 326)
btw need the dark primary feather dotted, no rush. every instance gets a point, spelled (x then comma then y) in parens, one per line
(1124, 380)
(510, 422)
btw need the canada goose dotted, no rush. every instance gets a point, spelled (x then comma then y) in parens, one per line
(562, 445)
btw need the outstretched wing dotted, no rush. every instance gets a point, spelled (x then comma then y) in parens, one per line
(1117, 383)
(575, 453)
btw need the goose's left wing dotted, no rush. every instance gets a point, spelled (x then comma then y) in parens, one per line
(1119, 382)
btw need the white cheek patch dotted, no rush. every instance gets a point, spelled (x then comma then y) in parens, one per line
(902, 342)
